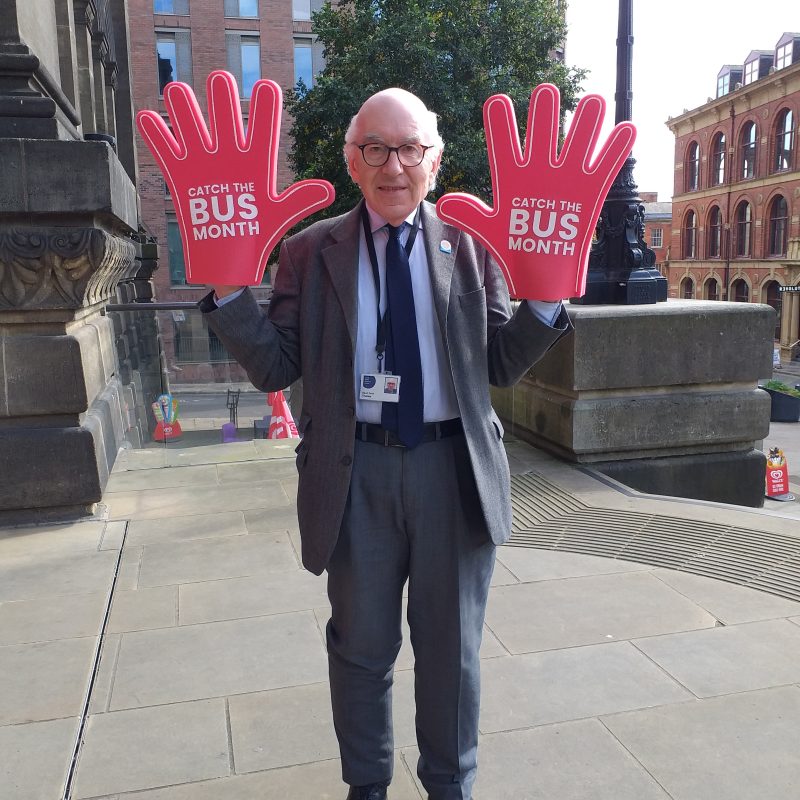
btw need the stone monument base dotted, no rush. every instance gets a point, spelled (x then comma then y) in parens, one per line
(663, 398)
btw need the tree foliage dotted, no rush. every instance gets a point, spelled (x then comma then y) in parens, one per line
(453, 54)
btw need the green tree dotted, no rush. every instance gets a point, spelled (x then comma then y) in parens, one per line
(453, 54)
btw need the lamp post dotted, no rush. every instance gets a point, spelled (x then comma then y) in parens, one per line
(621, 265)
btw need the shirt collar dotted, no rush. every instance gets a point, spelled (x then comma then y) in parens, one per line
(376, 221)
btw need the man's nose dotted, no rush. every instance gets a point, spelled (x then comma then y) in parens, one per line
(393, 165)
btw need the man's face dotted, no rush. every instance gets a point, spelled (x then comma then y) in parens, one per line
(393, 190)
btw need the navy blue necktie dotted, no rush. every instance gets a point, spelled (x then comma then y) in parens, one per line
(402, 349)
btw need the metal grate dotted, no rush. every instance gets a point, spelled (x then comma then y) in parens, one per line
(549, 518)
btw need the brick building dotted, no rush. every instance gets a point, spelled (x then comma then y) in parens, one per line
(736, 203)
(657, 227)
(185, 40)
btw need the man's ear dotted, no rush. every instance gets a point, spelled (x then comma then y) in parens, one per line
(352, 170)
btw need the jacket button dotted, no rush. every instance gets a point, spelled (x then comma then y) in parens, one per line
(347, 461)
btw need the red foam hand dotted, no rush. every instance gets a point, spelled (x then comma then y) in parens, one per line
(223, 183)
(546, 204)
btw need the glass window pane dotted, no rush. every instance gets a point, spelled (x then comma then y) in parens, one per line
(251, 66)
(301, 9)
(303, 70)
(164, 6)
(177, 268)
(167, 63)
(248, 8)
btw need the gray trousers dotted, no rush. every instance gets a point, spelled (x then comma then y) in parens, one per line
(412, 515)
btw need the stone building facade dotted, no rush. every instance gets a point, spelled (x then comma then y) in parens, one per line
(71, 377)
(186, 40)
(736, 204)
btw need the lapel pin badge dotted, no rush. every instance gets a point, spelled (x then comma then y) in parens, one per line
(445, 246)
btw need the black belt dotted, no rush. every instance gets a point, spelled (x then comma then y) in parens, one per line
(431, 432)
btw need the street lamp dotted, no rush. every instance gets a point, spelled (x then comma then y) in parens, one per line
(621, 265)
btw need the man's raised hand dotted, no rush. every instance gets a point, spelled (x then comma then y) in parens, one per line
(546, 204)
(223, 181)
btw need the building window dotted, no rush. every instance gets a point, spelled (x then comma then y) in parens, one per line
(174, 58)
(778, 226)
(177, 266)
(687, 288)
(784, 140)
(723, 84)
(303, 62)
(711, 290)
(241, 8)
(301, 9)
(693, 167)
(751, 72)
(718, 159)
(783, 55)
(748, 144)
(740, 291)
(171, 6)
(743, 229)
(714, 241)
(244, 59)
(690, 235)
(657, 237)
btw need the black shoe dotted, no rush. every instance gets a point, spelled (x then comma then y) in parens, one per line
(372, 791)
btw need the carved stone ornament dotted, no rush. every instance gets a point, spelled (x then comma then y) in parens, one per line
(55, 268)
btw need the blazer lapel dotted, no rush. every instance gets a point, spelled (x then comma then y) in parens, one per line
(438, 237)
(341, 260)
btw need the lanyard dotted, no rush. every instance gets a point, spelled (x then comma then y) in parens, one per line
(383, 320)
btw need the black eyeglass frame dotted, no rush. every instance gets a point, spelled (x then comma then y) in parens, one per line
(390, 150)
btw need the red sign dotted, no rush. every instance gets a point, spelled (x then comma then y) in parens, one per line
(546, 204)
(223, 182)
(777, 473)
(282, 425)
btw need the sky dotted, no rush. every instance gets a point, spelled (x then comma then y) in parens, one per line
(678, 49)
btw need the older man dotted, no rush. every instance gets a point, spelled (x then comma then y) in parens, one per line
(397, 324)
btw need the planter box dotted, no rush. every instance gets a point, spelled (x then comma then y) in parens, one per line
(785, 407)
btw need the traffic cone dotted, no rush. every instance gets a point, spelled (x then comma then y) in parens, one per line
(282, 425)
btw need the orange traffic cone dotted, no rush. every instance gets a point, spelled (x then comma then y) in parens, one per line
(282, 425)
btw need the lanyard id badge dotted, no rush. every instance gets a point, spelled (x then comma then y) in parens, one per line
(380, 386)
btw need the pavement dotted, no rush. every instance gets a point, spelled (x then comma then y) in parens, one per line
(172, 647)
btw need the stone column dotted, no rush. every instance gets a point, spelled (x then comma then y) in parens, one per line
(786, 319)
(794, 325)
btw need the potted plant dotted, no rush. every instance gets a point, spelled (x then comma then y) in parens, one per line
(785, 402)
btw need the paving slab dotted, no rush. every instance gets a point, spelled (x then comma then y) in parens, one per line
(729, 603)
(35, 541)
(220, 658)
(529, 564)
(187, 501)
(130, 565)
(739, 658)
(160, 478)
(114, 535)
(144, 748)
(179, 529)
(214, 559)
(238, 598)
(580, 611)
(319, 781)
(257, 471)
(737, 747)
(143, 609)
(564, 685)
(45, 619)
(275, 519)
(44, 681)
(36, 758)
(104, 679)
(56, 573)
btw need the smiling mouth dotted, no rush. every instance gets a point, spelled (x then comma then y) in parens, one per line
(392, 188)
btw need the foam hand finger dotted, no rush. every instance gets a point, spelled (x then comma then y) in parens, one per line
(264, 126)
(543, 116)
(502, 136)
(584, 131)
(186, 118)
(304, 198)
(616, 149)
(224, 112)
(158, 137)
(464, 211)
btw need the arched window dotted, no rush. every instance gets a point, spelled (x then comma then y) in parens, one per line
(714, 235)
(740, 291)
(784, 140)
(743, 229)
(690, 235)
(718, 159)
(771, 295)
(748, 150)
(692, 167)
(687, 288)
(711, 289)
(778, 226)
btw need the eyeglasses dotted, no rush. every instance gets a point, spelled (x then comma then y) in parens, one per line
(409, 155)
